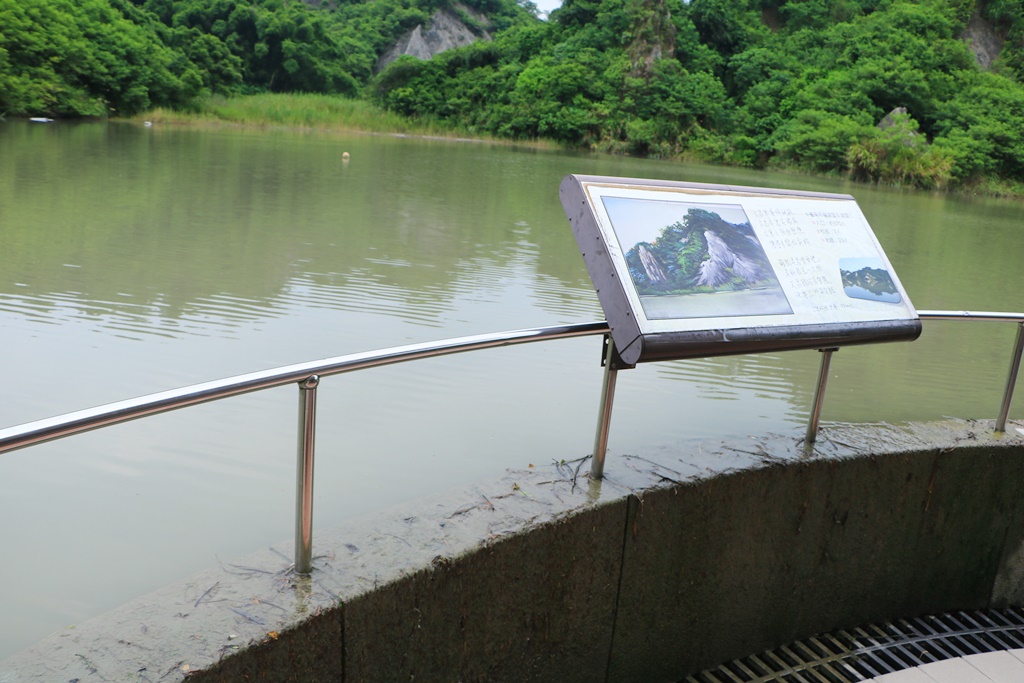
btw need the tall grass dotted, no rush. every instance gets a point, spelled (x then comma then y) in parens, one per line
(308, 111)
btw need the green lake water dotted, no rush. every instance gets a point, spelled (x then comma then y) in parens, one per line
(135, 260)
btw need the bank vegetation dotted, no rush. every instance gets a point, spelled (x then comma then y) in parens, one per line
(923, 93)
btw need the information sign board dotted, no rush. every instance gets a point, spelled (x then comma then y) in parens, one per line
(687, 269)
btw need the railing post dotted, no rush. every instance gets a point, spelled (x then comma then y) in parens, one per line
(1011, 381)
(819, 395)
(604, 414)
(304, 476)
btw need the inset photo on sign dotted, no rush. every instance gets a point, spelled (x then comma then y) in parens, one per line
(867, 278)
(694, 260)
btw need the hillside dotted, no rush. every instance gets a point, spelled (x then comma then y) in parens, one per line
(925, 93)
(803, 83)
(103, 57)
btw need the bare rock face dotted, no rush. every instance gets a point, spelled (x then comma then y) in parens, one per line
(654, 35)
(983, 40)
(889, 119)
(444, 31)
(715, 270)
(651, 266)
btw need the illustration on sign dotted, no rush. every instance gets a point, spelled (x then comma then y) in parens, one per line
(695, 260)
(867, 278)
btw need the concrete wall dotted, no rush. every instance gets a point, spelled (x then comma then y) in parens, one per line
(670, 565)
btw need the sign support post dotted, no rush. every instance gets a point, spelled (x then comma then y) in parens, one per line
(693, 270)
(819, 395)
(604, 412)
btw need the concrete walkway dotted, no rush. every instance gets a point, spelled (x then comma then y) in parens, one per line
(990, 667)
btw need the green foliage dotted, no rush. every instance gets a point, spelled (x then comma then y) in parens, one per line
(806, 97)
(806, 92)
(560, 99)
(83, 58)
(819, 140)
(900, 155)
(665, 110)
(799, 83)
(591, 77)
(220, 70)
(727, 26)
(1008, 17)
(99, 56)
(983, 129)
(280, 46)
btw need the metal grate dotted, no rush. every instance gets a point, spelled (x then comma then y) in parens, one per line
(863, 653)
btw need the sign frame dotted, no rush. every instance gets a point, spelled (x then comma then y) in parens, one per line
(788, 247)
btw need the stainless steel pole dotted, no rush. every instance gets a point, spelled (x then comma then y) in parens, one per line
(41, 431)
(604, 414)
(1011, 381)
(819, 395)
(304, 476)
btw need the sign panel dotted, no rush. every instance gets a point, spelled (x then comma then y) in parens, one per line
(686, 269)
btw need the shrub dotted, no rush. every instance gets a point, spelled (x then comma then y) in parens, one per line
(900, 155)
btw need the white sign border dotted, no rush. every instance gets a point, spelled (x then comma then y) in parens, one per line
(834, 308)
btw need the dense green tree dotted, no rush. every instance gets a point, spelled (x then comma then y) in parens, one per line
(727, 26)
(84, 58)
(800, 83)
(983, 128)
(790, 82)
(221, 70)
(899, 155)
(279, 46)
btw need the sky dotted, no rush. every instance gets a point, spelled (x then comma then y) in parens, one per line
(546, 6)
(641, 220)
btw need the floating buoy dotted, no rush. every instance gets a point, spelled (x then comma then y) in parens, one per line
(344, 156)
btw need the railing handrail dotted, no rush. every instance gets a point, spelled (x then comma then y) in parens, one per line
(68, 424)
(1018, 349)
(986, 316)
(307, 376)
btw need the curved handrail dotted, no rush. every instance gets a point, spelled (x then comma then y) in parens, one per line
(989, 316)
(60, 426)
(68, 424)
(307, 376)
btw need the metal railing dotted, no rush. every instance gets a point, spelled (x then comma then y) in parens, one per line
(1018, 347)
(308, 375)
